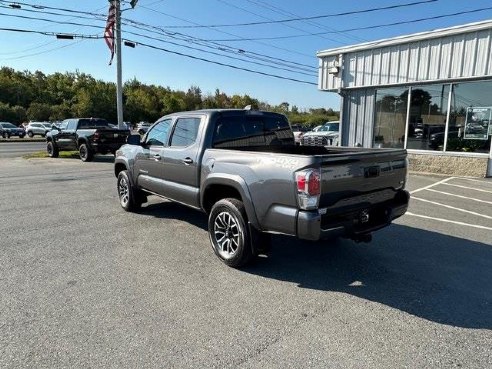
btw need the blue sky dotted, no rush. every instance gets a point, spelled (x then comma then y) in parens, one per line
(37, 52)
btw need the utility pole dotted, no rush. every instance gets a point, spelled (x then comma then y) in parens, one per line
(119, 77)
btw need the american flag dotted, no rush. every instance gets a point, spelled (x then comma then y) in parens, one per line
(109, 30)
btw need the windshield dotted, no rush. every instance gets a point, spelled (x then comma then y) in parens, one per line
(8, 125)
(330, 127)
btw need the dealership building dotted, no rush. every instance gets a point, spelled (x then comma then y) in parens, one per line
(429, 92)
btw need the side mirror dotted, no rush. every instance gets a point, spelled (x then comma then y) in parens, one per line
(133, 140)
(54, 126)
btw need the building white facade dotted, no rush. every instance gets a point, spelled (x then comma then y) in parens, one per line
(429, 92)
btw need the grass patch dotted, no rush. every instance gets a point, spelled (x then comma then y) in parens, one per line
(44, 154)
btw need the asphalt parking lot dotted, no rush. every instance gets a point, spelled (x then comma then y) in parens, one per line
(84, 284)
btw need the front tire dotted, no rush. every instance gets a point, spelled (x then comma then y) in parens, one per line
(129, 199)
(229, 233)
(85, 153)
(30, 134)
(52, 150)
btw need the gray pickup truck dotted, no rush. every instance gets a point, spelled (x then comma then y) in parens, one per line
(243, 169)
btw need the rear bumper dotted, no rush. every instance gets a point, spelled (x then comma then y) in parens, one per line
(314, 226)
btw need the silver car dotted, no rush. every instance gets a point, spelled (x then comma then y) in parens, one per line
(38, 128)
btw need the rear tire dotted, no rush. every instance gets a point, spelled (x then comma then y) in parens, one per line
(129, 199)
(30, 134)
(5, 135)
(85, 153)
(52, 150)
(229, 232)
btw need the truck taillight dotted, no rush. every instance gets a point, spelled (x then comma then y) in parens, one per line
(308, 188)
(96, 136)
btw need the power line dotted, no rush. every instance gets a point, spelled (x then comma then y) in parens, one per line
(53, 13)
(53, 8)
(202, 42)
(278, 10)
(229, 49)
(285, 25)
(224, 64)
(363, 28)
(44, 43)
(227, 33)
(222, 55)
(49, 20)
(170, 42)
(167, 51)
(49, 33)
(42, 52)
(207, 43)
(369, 10)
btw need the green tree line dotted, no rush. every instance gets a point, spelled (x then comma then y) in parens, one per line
(26, 96)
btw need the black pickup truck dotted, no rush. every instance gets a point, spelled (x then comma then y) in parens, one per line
(87, 135)
(243, 169)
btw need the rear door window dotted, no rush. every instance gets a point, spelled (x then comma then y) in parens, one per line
(185, 132)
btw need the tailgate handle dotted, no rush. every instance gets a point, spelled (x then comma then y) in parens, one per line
(157, 157)
(371, 172)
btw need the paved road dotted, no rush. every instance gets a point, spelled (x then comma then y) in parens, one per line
(84, 284)
(18, 149)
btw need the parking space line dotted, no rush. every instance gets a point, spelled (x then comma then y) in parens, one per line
(475, 180)
(432, 185)
(466, 187)
(452, 207)
(448, 221)
(462, 197)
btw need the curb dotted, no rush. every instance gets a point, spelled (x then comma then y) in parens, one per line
(22, 140)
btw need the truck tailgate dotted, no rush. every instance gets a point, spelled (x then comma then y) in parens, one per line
(110, 136)
(358, 179)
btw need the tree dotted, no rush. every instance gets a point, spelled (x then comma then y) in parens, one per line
(39, 112)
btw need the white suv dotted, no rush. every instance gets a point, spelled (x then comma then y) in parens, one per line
(38, 128)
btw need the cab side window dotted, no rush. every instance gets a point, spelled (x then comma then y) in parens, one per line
(72, 125)
(159, 134)
(185, 132)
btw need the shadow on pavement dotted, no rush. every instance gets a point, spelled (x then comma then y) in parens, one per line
(437, 277)
(444, 279)
(172, 210)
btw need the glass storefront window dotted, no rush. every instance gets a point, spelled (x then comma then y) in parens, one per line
(427, 118)
(470, 126)
(390, 119)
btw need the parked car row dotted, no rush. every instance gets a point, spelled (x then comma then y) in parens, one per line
(30, 129)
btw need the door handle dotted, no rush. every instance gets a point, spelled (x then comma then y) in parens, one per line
(188, 161)
(157, 157)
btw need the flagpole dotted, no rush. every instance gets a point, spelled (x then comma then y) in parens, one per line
(119, 77)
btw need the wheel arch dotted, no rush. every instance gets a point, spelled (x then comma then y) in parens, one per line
(82, 140)
(224, 186)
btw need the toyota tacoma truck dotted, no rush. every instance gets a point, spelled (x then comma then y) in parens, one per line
(88, 136)
(243, 169)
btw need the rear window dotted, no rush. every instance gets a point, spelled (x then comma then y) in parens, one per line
(93, 123)
(240, 131)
